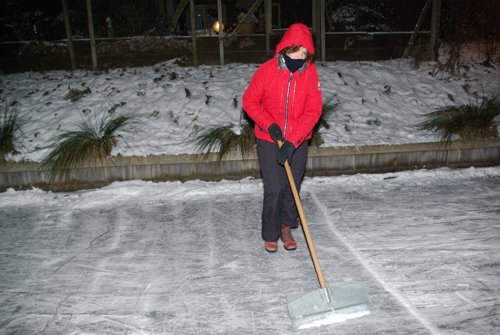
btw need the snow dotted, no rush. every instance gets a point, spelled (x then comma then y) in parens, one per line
(139, 257)
(380, 102)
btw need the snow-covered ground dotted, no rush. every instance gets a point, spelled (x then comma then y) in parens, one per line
(186, 258)
(380, 102)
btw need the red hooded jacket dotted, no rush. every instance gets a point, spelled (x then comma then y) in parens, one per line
(291, 100)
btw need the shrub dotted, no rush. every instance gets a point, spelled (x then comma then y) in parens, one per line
(89, 142)
(9, 125)
(468, 121)
(223, 139)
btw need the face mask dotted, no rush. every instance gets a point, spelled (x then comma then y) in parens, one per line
(293, 64)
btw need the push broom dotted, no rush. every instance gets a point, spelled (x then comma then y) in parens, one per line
(325, 305)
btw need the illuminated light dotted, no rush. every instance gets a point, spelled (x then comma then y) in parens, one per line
(215, 26)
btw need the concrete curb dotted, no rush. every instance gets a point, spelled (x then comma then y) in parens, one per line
(322, 162)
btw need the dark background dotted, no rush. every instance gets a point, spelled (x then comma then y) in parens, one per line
(27, 20)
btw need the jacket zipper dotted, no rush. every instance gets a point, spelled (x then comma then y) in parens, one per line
(286, 104)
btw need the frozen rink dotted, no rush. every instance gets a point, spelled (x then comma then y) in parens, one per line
(186, 258)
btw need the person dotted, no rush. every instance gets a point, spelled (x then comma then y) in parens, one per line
(284, 100)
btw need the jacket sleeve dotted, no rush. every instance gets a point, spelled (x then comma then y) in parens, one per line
(312, 112)
(252, 100)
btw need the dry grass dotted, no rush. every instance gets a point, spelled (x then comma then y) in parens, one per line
(88, 143)
(467, 122)
(224, 140)
(9, 126)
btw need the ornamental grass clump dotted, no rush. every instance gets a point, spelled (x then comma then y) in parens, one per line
(9, 126)
(467, 122)
(329, 108)
(224, 140)
(90, 143)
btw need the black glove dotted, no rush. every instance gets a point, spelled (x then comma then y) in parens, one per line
(275, 132)
(285, 153)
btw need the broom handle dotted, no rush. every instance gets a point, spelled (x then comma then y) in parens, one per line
(305, 226)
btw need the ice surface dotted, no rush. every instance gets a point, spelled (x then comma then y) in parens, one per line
(186, 258)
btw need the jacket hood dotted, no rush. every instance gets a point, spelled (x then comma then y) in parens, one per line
(297, 34)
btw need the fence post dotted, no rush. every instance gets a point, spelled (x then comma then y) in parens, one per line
(91, 34)
(221, 32)
(193, 33)
(69, 35)
(436, 15)
(268, 16)
(322, 29)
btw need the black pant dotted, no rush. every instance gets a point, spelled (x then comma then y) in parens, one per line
(279, 206)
